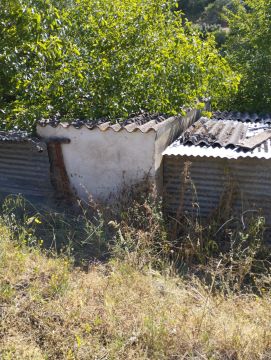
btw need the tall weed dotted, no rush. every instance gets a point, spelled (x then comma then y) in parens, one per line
(229, 256)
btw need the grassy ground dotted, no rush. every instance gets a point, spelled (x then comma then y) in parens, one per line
(50, 309)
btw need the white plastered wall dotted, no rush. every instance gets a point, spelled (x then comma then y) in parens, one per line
(99, 163)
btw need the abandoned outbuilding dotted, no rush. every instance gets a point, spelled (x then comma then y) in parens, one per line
(102, 158)
(221, 162)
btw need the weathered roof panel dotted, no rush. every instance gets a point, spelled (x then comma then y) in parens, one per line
(21, 137)
(142, 122)
(253, 141)
(226, 135)
(177, 149)
(242, 116)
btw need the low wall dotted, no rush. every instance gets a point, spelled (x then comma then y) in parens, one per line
(99, 163)
(102, 159)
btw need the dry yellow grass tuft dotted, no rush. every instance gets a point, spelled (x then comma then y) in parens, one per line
(51, 310)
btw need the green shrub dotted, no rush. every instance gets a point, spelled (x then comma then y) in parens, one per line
(249, 52)
(89, 59)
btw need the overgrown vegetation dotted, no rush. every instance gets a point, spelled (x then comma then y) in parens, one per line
(249, 51)
(205, 293)
(246, 45)
(91, 59)
(124, 282)
(205, 12)
(81, 59)
(194, 8)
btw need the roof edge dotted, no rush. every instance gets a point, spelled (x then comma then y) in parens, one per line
(130, 128)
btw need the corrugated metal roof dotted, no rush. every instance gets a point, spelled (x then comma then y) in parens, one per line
(21, 137)
(143, 122)
(226, 135)
(243, 117)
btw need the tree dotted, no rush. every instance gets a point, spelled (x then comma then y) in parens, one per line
(88, 59)
(31, 50)
(194, 8)
(249, 52)
(213, 13)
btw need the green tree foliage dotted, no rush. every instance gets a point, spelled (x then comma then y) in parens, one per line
(249, 52)
(194, 8)
(213, 13)
(31, 50)
(94, 58)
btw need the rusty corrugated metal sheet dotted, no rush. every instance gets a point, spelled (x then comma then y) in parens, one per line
(200, 191)
(21, 137)
(25, 170)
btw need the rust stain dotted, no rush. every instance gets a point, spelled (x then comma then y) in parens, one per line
(59, 176)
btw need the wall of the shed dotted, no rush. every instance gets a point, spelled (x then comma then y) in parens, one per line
(24, 170)
(99, 163)
(165, 136)
(196, 185)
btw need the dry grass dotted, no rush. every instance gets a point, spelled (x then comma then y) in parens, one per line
(51, 310)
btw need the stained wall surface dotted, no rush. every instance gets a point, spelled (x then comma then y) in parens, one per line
(102, 160)
(100, 163)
